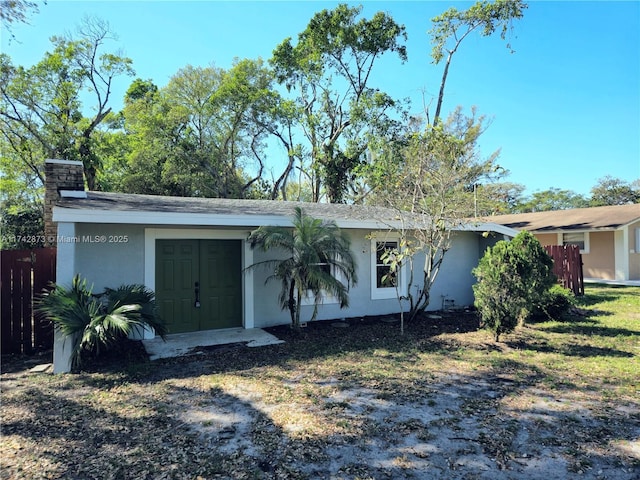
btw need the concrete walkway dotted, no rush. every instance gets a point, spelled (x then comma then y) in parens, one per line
(180, 344)
(628, 283)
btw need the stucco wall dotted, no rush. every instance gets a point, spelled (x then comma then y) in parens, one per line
(111, 255)
(268, 311)
(547, 238)
(600, 261)
(455, 278)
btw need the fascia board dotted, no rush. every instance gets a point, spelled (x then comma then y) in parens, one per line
(625, 225)
(578, 230)
(488, 227)
(72, 215)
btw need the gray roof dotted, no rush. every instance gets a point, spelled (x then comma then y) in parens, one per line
(124, 202)
(594, 218)
(103, 207)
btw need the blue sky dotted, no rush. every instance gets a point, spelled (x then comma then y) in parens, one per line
(564, 108)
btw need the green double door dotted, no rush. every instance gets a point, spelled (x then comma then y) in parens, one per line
(199, 284)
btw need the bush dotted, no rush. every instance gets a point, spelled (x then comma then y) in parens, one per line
(556, 302)
(512, 278)
(97, 323)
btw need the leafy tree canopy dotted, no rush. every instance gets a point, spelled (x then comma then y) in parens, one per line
(453, 26)
(615, 191)
(330, 69)
(552, 199)
(41, 112)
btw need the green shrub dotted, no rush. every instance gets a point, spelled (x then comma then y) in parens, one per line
(96, 323)
(556, 302)
(512, 278)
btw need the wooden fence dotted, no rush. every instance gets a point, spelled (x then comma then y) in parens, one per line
(23, 276)
(567, 265)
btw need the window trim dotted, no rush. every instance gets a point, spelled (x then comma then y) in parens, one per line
(584, 250)
(307, 299)
(384, 293)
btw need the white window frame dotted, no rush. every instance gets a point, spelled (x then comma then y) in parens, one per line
(309, 299)
(586, 240)
(383, 293)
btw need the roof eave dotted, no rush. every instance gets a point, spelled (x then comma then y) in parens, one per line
(72, 215)
(131, 217)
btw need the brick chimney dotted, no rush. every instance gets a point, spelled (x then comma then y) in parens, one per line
(60, 176)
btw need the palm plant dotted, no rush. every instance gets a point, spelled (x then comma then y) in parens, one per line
(317, 252)
(96, 323)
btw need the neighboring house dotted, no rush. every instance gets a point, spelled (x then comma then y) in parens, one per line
(192, 250)
(609, 237)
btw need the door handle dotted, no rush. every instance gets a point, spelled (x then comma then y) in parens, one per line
(197, 292)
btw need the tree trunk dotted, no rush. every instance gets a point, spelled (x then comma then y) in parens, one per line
(436, 118)
(296, 325)
(292, 303)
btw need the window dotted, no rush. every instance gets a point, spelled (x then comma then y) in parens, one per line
(383, 285)
(309, 299)
(384, 277)
(581, 239)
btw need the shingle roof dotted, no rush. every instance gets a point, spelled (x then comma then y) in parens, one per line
(103, 207)
(594, 218)
(123, 202)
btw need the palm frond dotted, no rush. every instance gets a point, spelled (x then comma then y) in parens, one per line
(310, 245)
(96, 322)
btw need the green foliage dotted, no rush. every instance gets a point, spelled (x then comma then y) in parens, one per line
(453, 26)
(95, 323)
(395, 259)
(552, 199)
(614, 191)
(41, 107)
(483, 16)
(513, 278)
(202, 135)
(21, 227)
(330, 67)
(429, 173)
(15, 11)
(316, 253)
(496, 198)
(556, 302)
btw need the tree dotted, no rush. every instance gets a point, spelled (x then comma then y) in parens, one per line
(330, 68)
(452, 27)
(316, 253)
(614, 191)
(204, 134)
(426, 177)
(513, 280)
(496, 198)
(552, 199)
(41, 112)
(15, 11)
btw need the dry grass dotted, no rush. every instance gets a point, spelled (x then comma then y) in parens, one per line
(553, 400)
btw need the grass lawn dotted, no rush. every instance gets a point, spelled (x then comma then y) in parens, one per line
(552, 400)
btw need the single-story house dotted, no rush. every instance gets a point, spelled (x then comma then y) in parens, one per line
(183, 247)
(609, 237)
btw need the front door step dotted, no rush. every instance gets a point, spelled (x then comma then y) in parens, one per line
(181, 344)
